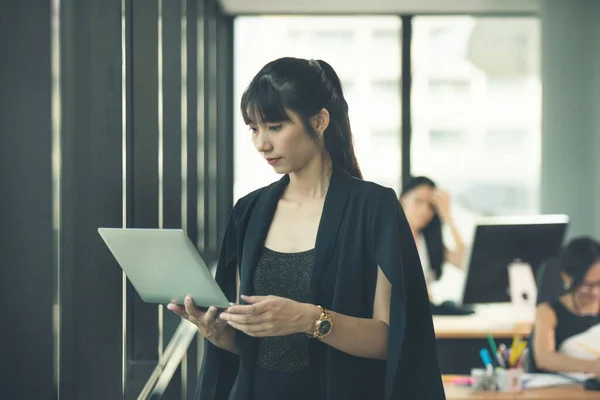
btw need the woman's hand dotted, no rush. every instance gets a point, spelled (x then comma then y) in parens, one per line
(271, 316)
(209, 325)
(441, 202)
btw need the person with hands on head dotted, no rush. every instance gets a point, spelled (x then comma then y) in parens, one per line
(427, 208)
(331, 297)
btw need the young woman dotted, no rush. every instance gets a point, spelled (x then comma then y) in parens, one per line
(332, 302)
(427, 208)
(566, 337)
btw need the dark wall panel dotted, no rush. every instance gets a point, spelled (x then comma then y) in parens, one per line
(210, 127)
(91, 197)
(192, 118)
(142, 317)
(225, 109)
(26, 255)
(171, 132)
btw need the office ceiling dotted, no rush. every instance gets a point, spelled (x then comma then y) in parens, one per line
(253, 7)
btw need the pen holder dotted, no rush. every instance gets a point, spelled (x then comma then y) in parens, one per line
(483, 380)
(509, 380)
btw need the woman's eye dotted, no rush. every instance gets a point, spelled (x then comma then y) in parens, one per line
(252, 129)
(274, 128)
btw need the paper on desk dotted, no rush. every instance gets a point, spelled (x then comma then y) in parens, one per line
(532, 381)
(584, 345)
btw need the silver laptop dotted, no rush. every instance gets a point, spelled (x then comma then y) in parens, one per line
(164, 266)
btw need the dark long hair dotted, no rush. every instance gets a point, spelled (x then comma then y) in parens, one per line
(304, 87)
(432, 232)
(577, 257)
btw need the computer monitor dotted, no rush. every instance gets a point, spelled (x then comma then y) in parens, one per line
(498, 241)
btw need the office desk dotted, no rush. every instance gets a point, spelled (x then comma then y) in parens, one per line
(454, 392)
(459, 338)
(494, 318)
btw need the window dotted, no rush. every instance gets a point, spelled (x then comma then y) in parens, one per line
(385, 134)
(385, 38)
(509, 86)
(440, 139)
(476, 103)
(500, 140)
(453, 87)
(364, 51)
(386, 87)
(332, 38)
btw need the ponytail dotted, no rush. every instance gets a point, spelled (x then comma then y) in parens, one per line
(338, 135)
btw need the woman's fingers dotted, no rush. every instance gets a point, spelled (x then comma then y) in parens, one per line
(246, 309)
(240, 318)
(177, 309)
(192, 310)
(252, 330)
(211, 314)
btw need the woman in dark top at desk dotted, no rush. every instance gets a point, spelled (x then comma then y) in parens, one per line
(332, 299)
(565, 329)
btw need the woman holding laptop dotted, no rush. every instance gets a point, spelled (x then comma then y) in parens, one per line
(332, 302)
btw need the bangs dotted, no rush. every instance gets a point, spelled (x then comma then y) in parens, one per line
(262, 102)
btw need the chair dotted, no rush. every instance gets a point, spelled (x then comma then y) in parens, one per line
(549, 284)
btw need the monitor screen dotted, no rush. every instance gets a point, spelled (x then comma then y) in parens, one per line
(498, 241)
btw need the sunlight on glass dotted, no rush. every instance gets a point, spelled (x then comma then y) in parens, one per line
(476, 113)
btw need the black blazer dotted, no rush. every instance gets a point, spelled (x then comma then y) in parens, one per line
(362, 227)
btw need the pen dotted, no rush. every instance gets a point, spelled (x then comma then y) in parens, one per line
(503, 352)
(515, 342)
(590, 350)
(487, 360)
(516, 353)
(492, 343)
(522, 359)
(462, 381)
(513, 347)
(500, 359)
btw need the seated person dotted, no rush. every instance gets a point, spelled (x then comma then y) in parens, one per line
(566, 337)
(426, 208)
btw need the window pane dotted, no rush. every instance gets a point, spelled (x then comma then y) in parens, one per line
(364, 51)
(476, 101)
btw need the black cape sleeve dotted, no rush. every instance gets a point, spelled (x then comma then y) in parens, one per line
(219, 367)
(412, 370)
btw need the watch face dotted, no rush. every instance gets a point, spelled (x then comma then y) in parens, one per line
(324, 327)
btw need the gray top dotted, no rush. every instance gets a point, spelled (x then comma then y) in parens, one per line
(285, 275)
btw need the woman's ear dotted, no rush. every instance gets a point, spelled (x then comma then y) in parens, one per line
(320, 121)
(567, 281)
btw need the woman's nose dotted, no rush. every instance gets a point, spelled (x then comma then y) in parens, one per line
(261, 141)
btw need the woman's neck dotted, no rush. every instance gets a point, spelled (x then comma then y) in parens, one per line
(416, 235)
(312, 182)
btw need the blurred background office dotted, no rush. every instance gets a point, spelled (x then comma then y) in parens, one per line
(125, 113)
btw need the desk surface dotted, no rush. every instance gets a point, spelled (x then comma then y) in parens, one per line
(454, 392)
(497, 319)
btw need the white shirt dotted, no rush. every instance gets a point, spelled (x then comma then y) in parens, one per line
(424, 257)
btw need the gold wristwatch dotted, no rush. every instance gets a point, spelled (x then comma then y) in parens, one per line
(322, 326)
